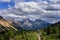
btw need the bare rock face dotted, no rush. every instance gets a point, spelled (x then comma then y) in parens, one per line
(5, 24)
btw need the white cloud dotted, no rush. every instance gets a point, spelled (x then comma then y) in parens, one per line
(29, 6)
(53, 6)
(5, 0)
(54, 1)
(33, 10)
(51, 17)
(14, 16)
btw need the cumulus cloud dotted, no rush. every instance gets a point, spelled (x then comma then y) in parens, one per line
(29, 6)
(33, 10)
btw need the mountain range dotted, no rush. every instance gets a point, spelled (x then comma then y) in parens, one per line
(26, 24)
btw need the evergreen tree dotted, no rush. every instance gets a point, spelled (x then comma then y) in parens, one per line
(48, 30)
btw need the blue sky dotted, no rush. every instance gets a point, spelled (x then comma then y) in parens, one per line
(4, 5)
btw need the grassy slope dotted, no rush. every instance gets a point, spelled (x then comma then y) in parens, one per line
(32, 35)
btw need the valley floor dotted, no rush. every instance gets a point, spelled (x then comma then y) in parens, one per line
(34, 36)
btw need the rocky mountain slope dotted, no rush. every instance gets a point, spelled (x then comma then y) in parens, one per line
(5, 24)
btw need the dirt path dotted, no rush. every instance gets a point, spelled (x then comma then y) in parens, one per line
(39, 37)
